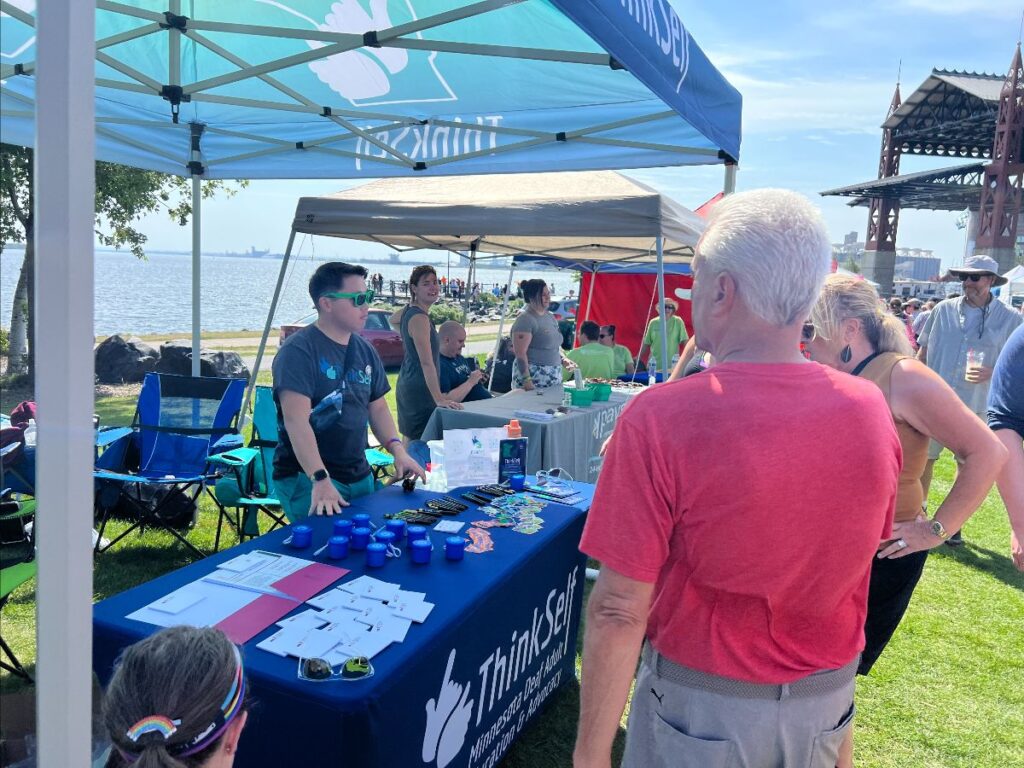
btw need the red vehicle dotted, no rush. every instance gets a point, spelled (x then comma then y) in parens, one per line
(378, 331)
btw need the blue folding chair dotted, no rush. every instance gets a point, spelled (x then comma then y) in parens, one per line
(163, 465)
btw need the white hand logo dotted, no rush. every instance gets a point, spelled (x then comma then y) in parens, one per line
(357, 74)
(447, 719)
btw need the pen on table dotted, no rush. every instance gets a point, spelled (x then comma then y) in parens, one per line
(260, 590)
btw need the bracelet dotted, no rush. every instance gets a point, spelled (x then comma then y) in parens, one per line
(393, 440)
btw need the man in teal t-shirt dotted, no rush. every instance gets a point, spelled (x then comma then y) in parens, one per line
(595, 360)
(623, 357)
(677, 334)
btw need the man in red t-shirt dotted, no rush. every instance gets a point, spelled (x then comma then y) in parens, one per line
(735, 519)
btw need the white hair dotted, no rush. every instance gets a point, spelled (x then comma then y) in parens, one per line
(774, 244)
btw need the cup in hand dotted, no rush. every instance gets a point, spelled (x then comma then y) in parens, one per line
(975, 361)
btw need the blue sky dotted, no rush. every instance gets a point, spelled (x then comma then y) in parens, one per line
(816, 79)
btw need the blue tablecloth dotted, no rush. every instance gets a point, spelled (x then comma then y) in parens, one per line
(505, 620)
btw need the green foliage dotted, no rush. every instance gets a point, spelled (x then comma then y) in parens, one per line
(851, 265)
(441, 312)
(5, 341)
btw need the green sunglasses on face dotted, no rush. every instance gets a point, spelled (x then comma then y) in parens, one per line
(358, 298)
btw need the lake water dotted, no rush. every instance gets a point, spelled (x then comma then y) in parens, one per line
(154, 296)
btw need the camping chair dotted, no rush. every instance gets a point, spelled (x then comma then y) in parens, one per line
(247, 485)
(15, 571)
(157, 472)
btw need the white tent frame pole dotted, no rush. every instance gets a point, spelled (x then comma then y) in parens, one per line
(64, 201)
(266, 330)
(501, 323)
(590, 292)
(197, 274)
(664, 362)
(729, 185)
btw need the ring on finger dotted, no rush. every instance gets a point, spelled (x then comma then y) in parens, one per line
(901, 543)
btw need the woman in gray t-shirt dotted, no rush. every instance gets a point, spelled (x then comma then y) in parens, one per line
(418, 390)
(537, 341)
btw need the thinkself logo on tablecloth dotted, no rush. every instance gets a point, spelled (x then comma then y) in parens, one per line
(534, 652)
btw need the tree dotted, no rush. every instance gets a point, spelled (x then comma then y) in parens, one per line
(123, 196)
(851, 265)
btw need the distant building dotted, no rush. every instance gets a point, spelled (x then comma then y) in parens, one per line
(913, 267)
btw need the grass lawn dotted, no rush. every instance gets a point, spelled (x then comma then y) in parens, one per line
(947, 692)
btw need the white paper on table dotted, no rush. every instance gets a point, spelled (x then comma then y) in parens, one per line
(245, 562)
(210, 604)
(274, 568)
(391, 626)
(350, 602)
(332, 598)
(406, 596)
(177, 601)
(372, 615)
(279, 642)
(309, 644)
(412, 610)
(345, 630)
(367, 586)
(307, 619)
(449, 526)
(368, 645)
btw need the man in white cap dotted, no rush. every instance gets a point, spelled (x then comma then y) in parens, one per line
(962, 339)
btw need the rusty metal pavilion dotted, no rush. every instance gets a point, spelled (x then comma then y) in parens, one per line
(957, 115)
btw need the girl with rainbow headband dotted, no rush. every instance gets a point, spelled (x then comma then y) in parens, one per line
(176, 700)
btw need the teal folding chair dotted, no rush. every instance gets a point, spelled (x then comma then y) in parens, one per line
(247, 487)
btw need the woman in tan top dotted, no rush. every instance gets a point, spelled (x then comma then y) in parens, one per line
(850, 331)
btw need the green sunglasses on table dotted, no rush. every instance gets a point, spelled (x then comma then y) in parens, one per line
(359, 298)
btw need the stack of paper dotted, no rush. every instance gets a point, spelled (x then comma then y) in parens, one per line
(359, 618)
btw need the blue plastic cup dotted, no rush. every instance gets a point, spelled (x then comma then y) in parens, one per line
(337, 547)
(360, 520)
(360, 538)
(420, 549)
(397, 527)
(516, 482)
(415, 532)
(343, 527)
(454, 548)
(387, 538)
(302, 536)
(376, 554)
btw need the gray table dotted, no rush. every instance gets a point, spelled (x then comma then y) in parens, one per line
(571, 441)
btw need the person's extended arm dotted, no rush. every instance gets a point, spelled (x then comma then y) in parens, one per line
(383, 426)
(922, 399)
(520, 344)
(684, 359)
(295, 409)
(419, 330)
(395, 318)
(616, 622)
(458, 394)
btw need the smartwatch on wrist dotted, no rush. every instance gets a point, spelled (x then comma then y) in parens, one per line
(938, 529)
(320, 474)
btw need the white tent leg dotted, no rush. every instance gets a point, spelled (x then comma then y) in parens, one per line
(266, 330)
(666, 366)
(590, 293)
(501, 323)
(729, 186)
(64, 206)
(197, 204)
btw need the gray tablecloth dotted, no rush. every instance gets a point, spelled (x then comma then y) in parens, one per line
(571, 441)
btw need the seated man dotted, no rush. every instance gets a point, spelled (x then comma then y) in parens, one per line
(595, 360)
(460, 378)
(623, 359)
(328, 383)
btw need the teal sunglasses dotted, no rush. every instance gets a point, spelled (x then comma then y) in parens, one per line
(358, 298)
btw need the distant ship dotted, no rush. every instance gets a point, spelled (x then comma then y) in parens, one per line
(252, 253)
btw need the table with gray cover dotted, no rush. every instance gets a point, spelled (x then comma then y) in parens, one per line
(571, 441)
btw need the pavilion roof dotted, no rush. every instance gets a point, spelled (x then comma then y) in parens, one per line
(944, 189)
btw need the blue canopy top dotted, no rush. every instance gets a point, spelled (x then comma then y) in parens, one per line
(372, 88)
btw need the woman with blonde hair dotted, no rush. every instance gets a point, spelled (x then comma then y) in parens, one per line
(850, 331)
(176, 700)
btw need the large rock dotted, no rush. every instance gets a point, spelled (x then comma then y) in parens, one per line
(120, 360)
(176, 357)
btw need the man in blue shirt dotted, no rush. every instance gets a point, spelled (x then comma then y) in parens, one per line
(328, 384)
(460, 377)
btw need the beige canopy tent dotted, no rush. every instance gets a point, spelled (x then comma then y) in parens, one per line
(592, 216)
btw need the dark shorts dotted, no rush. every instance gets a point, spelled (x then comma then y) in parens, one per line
(892, 584)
